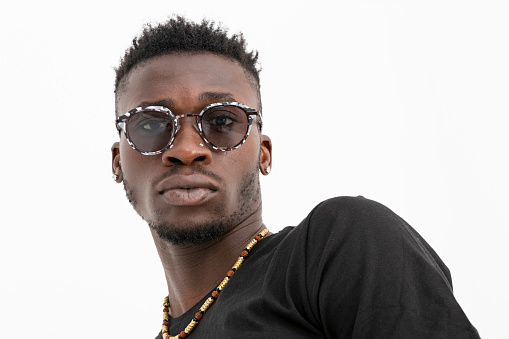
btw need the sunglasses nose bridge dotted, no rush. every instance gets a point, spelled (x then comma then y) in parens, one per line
(194, 122)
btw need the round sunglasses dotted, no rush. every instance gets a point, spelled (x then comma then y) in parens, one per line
(151, 130)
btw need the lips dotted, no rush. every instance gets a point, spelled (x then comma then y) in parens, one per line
(186, 190)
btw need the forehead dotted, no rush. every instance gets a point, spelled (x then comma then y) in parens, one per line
(183, 79)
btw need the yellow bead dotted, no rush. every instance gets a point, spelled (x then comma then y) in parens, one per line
(223, 283)
(206, 304)
(239, 262)
(251, 244)
(190, 327)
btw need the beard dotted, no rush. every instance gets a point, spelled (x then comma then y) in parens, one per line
(197, 234)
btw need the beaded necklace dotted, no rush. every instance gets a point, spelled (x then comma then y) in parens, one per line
(212, 297)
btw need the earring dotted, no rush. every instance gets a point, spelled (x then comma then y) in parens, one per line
(267, 170)
(201, 144)
(117, 176)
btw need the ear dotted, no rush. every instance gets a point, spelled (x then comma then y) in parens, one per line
(115, 162)
(265, 155)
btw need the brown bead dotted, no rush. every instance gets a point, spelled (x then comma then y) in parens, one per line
(183, 334)
(198, 315)
(215, 294)
(165, 309)
(230, 273)
(258, 238)
(244, 253)
(165, 323)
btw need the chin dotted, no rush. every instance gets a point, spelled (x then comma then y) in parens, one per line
(185, 236)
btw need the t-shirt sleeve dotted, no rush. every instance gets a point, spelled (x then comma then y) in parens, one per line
(370, 275)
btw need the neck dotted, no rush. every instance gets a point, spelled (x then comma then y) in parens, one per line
(193, 271)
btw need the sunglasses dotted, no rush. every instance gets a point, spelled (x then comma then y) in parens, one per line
(151, 130)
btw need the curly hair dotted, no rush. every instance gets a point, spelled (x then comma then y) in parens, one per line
(180, 35)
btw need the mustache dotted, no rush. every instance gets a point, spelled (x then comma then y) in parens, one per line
(195, 170)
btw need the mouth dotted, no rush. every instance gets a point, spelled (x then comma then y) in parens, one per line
(186, 190)
(187, 196)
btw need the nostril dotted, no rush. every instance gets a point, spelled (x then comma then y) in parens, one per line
(175, 160)
(186, 152)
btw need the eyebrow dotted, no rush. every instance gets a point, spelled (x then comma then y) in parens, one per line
(165, 102)
(205, 97)
(223, 96)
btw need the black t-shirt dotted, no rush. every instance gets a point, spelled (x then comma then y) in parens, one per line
(351, 269)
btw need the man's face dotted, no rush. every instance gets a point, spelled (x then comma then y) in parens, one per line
(191, 193)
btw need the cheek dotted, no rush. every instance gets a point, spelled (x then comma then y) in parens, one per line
(131, 161)
(125, 154)
(245, 159)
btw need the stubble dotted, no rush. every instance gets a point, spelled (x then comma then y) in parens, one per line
(219, 223)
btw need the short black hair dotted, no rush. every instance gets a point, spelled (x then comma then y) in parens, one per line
(178, 34)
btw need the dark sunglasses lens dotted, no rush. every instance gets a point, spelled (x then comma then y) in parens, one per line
(225, 126)
(150, 131)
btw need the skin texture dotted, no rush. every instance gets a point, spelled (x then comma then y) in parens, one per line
(227, 204)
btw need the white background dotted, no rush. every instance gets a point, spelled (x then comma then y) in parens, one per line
(403, 102)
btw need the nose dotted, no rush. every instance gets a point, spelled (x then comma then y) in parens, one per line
(188, 147)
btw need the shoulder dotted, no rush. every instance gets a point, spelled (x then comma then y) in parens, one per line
(355, 217)
(354, 233)
(356, 227)
(350, 210)
(346, 219)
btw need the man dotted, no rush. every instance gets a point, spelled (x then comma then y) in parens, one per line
(190, 152)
